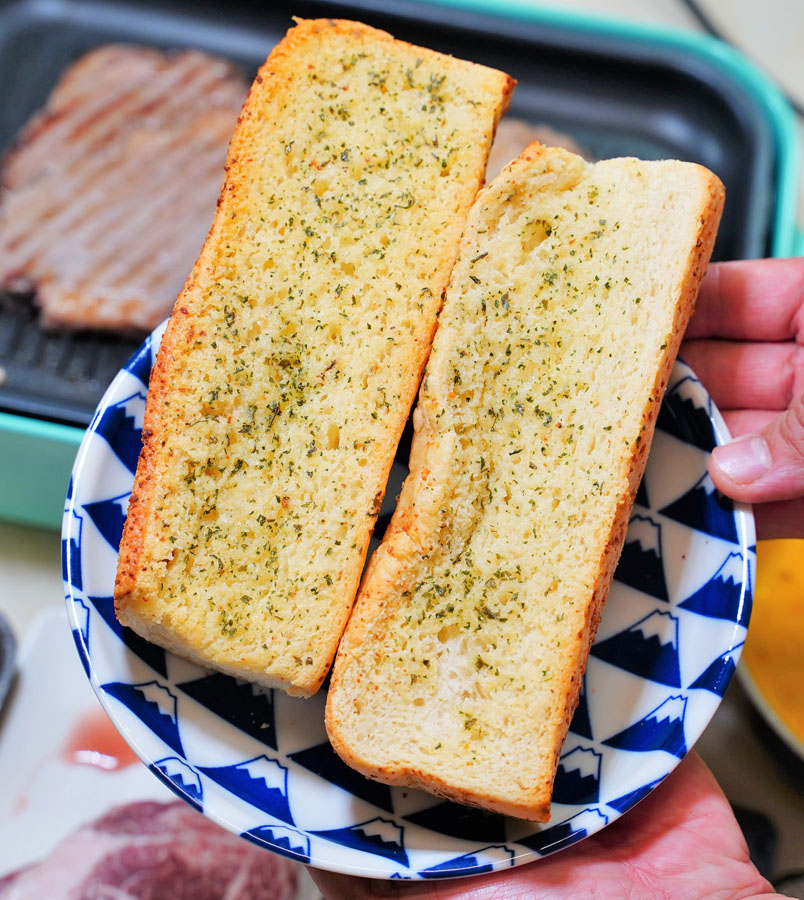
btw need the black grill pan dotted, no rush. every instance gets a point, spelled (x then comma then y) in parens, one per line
(615, 96)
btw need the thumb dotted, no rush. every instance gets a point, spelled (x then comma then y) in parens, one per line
(767, 465)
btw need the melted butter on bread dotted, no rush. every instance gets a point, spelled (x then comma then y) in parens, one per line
(294, 352)
(461, 665)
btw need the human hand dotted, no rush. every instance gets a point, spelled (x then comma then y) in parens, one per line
(746, 344)
(681, 843)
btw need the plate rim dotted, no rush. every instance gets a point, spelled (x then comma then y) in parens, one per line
(744, 521)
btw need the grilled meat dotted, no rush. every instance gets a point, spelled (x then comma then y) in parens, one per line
(109, 192)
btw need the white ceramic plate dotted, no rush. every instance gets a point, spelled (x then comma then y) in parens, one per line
(259, 763)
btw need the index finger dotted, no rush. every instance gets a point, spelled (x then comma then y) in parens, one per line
(756, 300)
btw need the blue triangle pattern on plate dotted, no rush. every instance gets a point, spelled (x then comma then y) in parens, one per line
(81, 634)
(81, 612)
(682, 417)
(181, 778)
(109, 517)
(661, 729)
(71, 553)
(580, 723)
(486, 860)
(80, 646)
(626, 801)
(379, 836)
(704, 509)
(717, 675)
(244, 705)
(149, 653)
(648, 648)
(282, 840)
(326, 763)
(154, 705)
(121, 426)
(260, 781)
(140, 362)
(577, 780)
(723, 596)
(271, 791)
(566, 833)
(71, 563)
(460, 821)
(640, 564)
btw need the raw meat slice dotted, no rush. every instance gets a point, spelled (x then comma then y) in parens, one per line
(154, 851)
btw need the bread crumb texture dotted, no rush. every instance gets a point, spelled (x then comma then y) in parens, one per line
(294, 352)
(462, 663)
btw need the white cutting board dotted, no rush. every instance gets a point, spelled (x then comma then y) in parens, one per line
(44, 793)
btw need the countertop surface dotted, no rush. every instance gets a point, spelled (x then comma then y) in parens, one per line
(756, 773)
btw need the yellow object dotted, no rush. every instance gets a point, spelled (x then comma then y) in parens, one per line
(774, 650)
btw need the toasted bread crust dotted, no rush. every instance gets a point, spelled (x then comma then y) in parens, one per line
(146, 537)
(416, 532)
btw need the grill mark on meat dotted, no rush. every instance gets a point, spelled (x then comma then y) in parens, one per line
(163, 233)
(93, 164)
(164, 190)
(135, 82)
(111, 189)
(69, 113)
(119, 202)
(149, 271)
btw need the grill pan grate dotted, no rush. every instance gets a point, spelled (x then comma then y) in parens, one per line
(56, 376)
(616, 97)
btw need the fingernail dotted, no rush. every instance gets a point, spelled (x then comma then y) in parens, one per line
(745, 459)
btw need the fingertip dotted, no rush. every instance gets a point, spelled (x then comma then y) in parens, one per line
(738, 467)
(724, 484)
